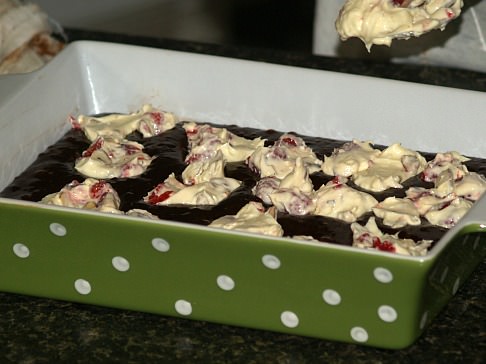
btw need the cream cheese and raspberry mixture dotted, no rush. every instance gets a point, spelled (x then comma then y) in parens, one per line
(253, 218)
(380, 21)
(148, 120)
(356, 185)
(108, 158)
(92, 194)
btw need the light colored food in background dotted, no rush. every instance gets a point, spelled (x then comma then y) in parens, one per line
(381, 21)
(26, 41)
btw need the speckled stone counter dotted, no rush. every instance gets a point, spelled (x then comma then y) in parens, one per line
(40, 330)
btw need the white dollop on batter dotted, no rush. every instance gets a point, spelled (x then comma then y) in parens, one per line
(293, 194)
(204, 141)
(371, 237)
(279, 159)
(442, 162)
(449, 214)
(427, 199)
(381, 21)
(390, 168)
(349, 159)
(203, 170)
(264, 187)
(91, 194)
(471, 186)
(338, 200)
(108, 158)
(397, 212)
(174, 192)
(148, 120)
(251, 218)
(141, 213)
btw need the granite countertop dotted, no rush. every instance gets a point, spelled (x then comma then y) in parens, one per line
(40, 330)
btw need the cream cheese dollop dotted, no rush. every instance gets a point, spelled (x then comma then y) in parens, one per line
(148, 120)
(203, 170)
(293, 201)
(141, 213)
(336, 199)
(174, 192)
(349, 159)
(390, 168)
(279, 159)
(397, 212)
(425, 199)
(264, 187)
(381, 21)
(205, 141)
(471, 186)
(442, 162)
(252, 218)
(293, 194)
(450, 213)
(108, 158)
(371, 237)
(91, 194)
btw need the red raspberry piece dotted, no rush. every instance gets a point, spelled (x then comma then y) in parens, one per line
(154, 198)
(289, 141)
(193, 158)
(97, 190)
(98, 143)
(156, 117)
(383, 245)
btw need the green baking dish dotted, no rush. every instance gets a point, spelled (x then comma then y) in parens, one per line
(280, 284)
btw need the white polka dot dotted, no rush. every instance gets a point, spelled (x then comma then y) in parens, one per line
(120, 264)
(387, 313)
(456, 285)
(21, 250)
(183, 307)
(423, 320)
(383, 275)
(271, 261)
(331, 297)
(161, 245)
(444, 274)
(58, 229)
(82, 286)
(289, 319)
(359, 334)
(225, 283)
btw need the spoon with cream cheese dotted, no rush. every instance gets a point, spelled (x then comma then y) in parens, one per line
(380, 21)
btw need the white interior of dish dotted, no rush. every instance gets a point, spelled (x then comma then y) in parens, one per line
(93, 77)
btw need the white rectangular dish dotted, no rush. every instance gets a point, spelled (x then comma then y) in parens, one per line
(67, 247)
